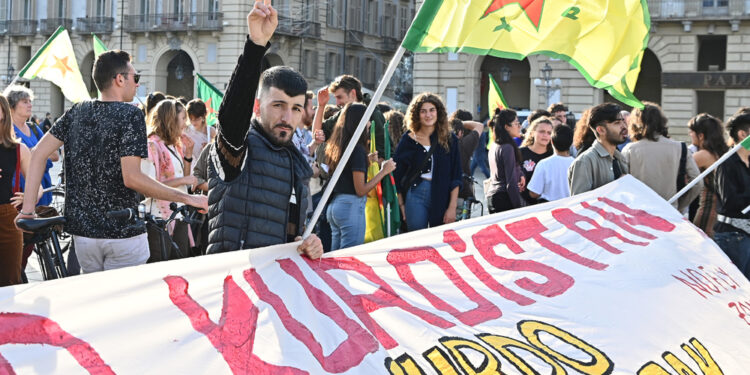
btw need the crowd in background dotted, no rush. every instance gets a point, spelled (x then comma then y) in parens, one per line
(542, 158)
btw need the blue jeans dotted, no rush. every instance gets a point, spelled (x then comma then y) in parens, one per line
(482, 162)
(346, 215)
(737, 247)
(417, 206)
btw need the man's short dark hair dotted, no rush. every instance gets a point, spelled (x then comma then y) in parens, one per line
(537, 114)
(458, 126)
(737, 123)
(107, 65)
(196, 108)
(462, 115)
(348, 83)
(309, 95)
(284, 78)
(562, 137)
(602, 113)
(557, 107)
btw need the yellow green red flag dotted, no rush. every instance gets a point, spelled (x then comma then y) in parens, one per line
(495, 99)
(603, 39)
(56, 62)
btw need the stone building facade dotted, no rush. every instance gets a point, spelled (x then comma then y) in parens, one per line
(171, 39)
(697, 60)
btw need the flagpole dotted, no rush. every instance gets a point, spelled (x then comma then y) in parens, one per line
(709, 170)
(357, 134)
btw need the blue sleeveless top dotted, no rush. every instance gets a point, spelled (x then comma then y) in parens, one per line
(30, 141)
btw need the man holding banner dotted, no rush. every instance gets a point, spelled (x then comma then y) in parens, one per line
(257, 178)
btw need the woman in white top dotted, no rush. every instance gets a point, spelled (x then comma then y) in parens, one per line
(166, 162)
(197, 129)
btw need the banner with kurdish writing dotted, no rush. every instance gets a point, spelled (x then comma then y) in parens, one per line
(613, 281)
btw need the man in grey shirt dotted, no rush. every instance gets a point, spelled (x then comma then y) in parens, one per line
(602, 163)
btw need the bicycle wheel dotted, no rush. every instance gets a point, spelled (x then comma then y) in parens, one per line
(46, 264)
(58, 200)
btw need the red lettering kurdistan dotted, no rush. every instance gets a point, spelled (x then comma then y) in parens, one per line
(533, 8)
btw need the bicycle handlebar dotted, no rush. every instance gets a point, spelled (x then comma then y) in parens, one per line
(126, 214)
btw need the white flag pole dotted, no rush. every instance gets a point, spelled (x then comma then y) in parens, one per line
(350, 147)
(746, 210)
(708, 170)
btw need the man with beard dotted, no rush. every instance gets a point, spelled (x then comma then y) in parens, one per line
(257, 178)
(602, 163)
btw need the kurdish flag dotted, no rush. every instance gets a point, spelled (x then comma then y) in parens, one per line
(99, 46)
(211, 96)
(746, 143)
(603, 39)
(56, 62)
(495, 99)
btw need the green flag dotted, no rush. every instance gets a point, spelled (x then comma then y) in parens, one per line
(211, 96)
(390, 207)
(99, 46)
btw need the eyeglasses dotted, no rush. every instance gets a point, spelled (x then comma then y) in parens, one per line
(136, 76)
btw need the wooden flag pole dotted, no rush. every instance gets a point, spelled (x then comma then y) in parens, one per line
(357, 133)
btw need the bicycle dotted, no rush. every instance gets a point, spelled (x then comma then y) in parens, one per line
(140, 218)
(47, 245)
(468, 205)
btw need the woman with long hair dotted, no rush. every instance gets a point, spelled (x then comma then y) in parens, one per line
(14, 161)
(429, 165)
(346, 212)
(583, 135)
(506, 176)
(167, 162)
(655, 159)
(536, 146)
(707, 134)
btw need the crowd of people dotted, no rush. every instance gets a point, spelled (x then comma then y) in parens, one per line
(257, 176)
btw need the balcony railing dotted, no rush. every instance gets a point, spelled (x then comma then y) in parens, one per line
(49, 25)
(97, 25)
(298, 27)
(174, 22)
(3, 27)
(22, 27)
(698, 9)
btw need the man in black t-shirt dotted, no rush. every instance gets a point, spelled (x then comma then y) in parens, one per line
(104, 142)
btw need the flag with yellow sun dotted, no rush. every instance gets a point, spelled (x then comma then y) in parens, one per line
(56, 62)
(603, 39)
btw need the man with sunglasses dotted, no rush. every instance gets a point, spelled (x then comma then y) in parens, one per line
(602, 163)
(104, 142)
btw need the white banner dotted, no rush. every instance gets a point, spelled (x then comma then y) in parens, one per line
(613, 281)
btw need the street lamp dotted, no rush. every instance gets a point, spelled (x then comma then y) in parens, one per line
(505, 72)
(10, 74)
(549, 85)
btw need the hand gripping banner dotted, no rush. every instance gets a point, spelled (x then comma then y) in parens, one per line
(613, 281)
